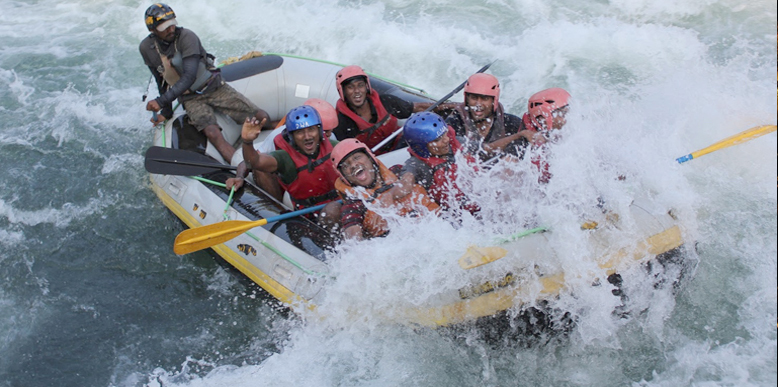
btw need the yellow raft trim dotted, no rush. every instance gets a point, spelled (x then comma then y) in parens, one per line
(654, 245)
(458, 312)
(270, 285)
(550, 286)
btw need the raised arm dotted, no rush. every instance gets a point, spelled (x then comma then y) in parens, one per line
(495, 147)
(252, 157)
(443, 109)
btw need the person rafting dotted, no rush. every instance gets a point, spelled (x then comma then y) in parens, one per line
(433, 147)
(546, 114)
(546, 110)
(481, 120)
(302, 162)
(329, 120)
(367, 116)
(366, 184)
(183, 70)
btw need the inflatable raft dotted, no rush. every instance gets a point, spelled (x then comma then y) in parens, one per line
(287, 258)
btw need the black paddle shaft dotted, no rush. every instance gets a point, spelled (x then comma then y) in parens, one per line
(429, 109)
(460, 87)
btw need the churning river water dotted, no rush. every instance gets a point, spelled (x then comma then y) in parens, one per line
(91, 293)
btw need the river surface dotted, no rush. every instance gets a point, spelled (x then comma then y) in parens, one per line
(91, 293)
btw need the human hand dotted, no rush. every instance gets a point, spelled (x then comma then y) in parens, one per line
(251, 128)
(234, 182)
(157, 119)
(153, 106)
(537, 138)
(387, 200)
(403, 187)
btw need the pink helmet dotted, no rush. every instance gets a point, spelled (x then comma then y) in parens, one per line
(328, 114)
(347, 73)
(345, 148)
(484, 84)
(542, 103)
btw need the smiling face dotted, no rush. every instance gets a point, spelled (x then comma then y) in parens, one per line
(440, 146)
(358, 169)
(355, 92)
(307, 139)
(480, 106)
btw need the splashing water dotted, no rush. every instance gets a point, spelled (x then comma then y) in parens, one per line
(92, 293)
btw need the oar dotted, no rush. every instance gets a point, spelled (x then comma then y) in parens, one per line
(250, 67)
(480, 255)
(169, 161)
(741, 137)
(429, 109)
(203, 237)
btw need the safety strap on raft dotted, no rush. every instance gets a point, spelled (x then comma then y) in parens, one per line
(342, 65)
(312, 201)
(268, 246)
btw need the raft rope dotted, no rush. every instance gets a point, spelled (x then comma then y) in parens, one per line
(342, 65)
(256, 238)
(229, 202)
(282, 255)
(518, 235)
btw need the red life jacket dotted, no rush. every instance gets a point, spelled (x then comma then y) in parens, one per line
(315, 182)
(540, 160)
(444, 176)
(372, 134)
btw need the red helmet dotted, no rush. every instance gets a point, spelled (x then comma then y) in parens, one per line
(344, 149)
(346, 74)
(484, 84)
(328, 114)
(542, 103)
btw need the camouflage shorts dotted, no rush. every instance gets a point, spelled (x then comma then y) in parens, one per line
(225, 99)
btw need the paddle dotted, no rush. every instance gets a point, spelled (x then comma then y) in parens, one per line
(429, 109)
(479, 255)
(741, 137)
(169, 161)
(203, 237)
(250, 67)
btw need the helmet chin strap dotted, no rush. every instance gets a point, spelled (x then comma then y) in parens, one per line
(377, 176)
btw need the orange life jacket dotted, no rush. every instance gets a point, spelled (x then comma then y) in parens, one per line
(375, 225)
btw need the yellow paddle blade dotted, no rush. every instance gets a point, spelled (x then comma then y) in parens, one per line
(741, 137)
(203, 237)
(477, 255)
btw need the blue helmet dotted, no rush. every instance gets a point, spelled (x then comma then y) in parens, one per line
(301, 117)
(422, 128)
